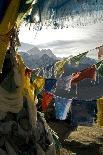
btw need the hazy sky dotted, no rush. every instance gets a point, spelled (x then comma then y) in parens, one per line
(65, 42)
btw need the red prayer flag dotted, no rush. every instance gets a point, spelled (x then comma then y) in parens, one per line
(46, 99)
(86, 73)
(28, 71)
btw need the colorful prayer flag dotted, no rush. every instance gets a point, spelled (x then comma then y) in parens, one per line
(46, 99)
(77, 59)
(59, 67)
(100, 111)
(35, 73)
(64, 83)
(49, 84)
(49, 67)
(62, 106)
(100, 69)
(89, 72)
(8, 19)
(28, 71)
(98, 64)
(49, 71)
(39, 82)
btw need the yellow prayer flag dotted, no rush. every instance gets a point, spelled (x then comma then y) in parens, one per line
(10, 17)
(27, 87)
(100, 111)
(6, 26)
(4, 40)
(39, 82)
(59, 67)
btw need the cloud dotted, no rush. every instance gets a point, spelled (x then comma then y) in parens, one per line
(69, 41)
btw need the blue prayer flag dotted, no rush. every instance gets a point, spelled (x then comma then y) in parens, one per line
(62, 106)
(49, 84)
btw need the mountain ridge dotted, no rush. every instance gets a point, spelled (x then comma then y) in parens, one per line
(34, 58)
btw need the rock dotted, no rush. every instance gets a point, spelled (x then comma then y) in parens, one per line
(86, 139)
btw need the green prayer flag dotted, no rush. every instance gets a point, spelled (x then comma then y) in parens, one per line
(98, 64)
(77, 59)
(100, 69)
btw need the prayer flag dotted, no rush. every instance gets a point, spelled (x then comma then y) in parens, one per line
(100, 111)
(49, 71)
(98, 64)
(100, 69)
(28, 71)
(46, 99)
(77, 59)
(86, 73)
(49, 84)
(62, 106)
(59, 67)
(39, 82)
(35, 73)
(64, 83)
(8, 19)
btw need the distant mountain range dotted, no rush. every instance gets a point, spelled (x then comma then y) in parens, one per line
(35, 58)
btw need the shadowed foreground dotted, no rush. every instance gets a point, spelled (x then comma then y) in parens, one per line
(81, 140)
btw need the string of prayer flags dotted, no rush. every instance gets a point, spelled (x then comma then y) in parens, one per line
(59, 67)
(62, 107)
(89, 72)
(77, 59)
(46, 99)
(49, 84)
(64, 83)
